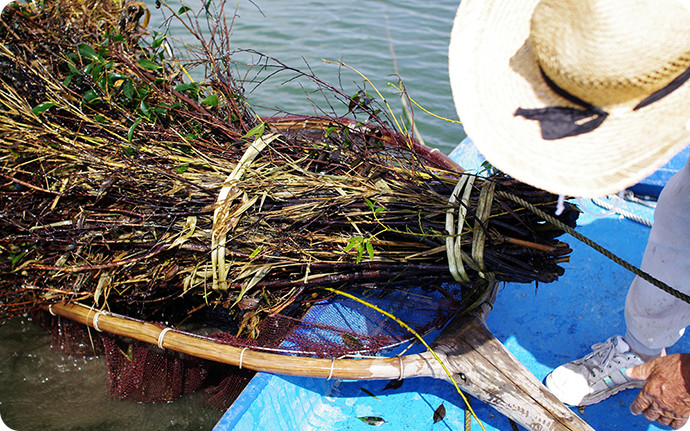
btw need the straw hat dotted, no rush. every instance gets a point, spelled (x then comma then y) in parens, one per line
(578, 97)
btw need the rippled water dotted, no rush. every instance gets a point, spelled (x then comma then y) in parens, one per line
(373, 36)
(42, 389)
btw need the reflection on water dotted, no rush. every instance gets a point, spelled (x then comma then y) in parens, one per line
(42, 389)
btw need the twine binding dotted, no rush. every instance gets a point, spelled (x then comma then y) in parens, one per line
(161, 336)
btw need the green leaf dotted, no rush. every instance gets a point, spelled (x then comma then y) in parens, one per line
(372, 420)
(184, 87)
(360, 253)
(255, 252)
(142, 92)
(128, 89)
(182, 168)
(368, 392)
(157, 42)
(355, 241)
(370, 250)
(16, 257)
(184, 9)
(87, 51)
(114, 77)
(145, 109)
(258, 130)
(149, 65)
(211, 100)
(134, 125)
(91, 97)
(96, 72)
(73, 69)
(329, 131)
(39, 109)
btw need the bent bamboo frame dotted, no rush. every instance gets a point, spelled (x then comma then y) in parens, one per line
(481, 365)
(207, 348)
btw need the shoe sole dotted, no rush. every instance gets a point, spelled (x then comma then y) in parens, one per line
(601, 396)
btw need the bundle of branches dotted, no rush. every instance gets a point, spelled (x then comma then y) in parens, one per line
(125, 186)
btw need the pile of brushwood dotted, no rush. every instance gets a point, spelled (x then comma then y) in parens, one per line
(126, 185)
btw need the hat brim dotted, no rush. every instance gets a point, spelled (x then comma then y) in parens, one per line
(493, 73)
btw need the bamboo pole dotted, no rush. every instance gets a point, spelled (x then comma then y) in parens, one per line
(207, 348)
(480, 364)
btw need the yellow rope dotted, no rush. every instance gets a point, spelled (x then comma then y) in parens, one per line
(419, 337)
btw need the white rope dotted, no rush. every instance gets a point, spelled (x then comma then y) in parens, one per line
(560, 207)
(330, 374)
(242, 356)
(95, 320)
(627, 214)
(161, 336)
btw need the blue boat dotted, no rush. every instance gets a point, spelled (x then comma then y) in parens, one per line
(542, 326)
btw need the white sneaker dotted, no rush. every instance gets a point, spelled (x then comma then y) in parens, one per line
(597, 376)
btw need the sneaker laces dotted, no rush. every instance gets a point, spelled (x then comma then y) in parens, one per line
(603, 353)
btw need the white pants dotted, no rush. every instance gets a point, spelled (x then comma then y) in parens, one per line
(654, 318)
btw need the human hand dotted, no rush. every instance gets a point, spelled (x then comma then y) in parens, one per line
(665, 397)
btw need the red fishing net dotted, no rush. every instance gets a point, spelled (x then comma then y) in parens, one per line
(333, 328)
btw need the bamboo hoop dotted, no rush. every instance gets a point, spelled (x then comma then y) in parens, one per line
(207, 348)
(481, 365)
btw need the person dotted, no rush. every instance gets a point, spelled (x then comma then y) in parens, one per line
(586, 98)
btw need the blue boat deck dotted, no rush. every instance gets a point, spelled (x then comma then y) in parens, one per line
(542, 326)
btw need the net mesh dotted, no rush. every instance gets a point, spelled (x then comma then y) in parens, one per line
(331, 328)
(140, 372)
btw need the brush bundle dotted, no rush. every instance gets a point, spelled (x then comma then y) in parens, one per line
(124, 186)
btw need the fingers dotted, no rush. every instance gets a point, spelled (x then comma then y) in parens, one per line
(644, 404)
(640, 404)
(678, 423)
(665, 420)
(640, 372)
(652, 414)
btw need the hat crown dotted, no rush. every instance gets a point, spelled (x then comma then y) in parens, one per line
(611, 52)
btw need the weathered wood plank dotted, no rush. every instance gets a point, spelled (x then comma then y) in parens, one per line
(488, 371)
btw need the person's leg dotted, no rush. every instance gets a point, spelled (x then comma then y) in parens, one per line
(654, 318)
